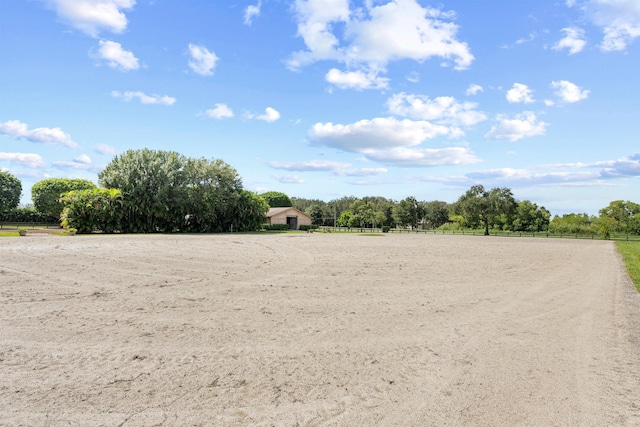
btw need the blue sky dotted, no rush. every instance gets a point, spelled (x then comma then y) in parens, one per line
(331, 98)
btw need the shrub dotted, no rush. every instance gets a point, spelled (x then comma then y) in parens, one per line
(275, 227)
(27, 215)
(385, 228)
(305, 227)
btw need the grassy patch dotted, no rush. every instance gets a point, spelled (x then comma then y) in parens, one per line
(630, 252)
(9, 234)
(371, 234)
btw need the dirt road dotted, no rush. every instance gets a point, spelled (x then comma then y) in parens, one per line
(316, 329)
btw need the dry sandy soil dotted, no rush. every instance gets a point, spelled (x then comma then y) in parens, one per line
(316, 329)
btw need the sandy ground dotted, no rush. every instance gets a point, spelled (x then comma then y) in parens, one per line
(316, 329)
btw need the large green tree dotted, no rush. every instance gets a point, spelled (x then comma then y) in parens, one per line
(10, 191)
(46, 194)
(436, 213)
(621, 212)
(276, 199)
(408, 212)
(478, 205)
(166, 191)
(529, 217)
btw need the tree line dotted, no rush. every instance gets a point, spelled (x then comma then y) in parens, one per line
(146, 191)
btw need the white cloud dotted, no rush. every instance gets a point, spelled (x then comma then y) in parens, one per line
(252, 11)
(378, 133)
(289, 179)
(337, 168)
(83, 158)
(17, 129)
(30, 160)
(92, 16)
(524, 125)
(115, 56)
(573, 40)
(270, 115)
(443, 109)
(202, 60)
(220, 111)
(391, 141)
(376, 34)
(474, 89)
(105, 149)
(144, 98)
(619, 20)
(520, 93)
(569, 92)
(356, 79)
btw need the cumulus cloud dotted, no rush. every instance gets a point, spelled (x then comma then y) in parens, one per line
(289, 179)
(520, 93)
(29, 160)
(105, 149)
(474, 89)
(17, 129)
(220, 111)
(391, 141)
(375, 35)
(270, 115)
(115, 56)
(202, 61)
(356, 79)
(144, 98)
(569, 92)
(443, 109)
(574, 40)
(619, 20)
(568, 174)
(252, 11)
(93, 16)
(337, 168)
(523, 125)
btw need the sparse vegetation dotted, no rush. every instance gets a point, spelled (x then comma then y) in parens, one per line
(630, 252)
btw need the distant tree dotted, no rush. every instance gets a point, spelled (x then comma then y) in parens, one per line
(480, 205)
(335, 207)
(276, 199)
(573, 224)
(530, 217)
(621, 212)
(46, 194)
(408, 212)
(436, 213)
(316, 213)
(633, 225)
(10, 191)
(345, 219)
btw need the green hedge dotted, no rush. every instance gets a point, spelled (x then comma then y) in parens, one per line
(28, 215)
(305, 227)
(275, 227)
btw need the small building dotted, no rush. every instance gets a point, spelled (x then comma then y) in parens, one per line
(293, 217)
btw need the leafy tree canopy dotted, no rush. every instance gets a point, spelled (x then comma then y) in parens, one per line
(478, 205)
(10, 191)
(276, 199)
(46, 194)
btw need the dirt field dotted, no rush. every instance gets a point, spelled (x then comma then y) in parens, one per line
(316, 329)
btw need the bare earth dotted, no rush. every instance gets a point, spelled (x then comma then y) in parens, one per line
(316, 329)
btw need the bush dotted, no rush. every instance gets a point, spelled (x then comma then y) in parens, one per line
(275, 227)
(305, 227)
(385, 228)
(28, 215)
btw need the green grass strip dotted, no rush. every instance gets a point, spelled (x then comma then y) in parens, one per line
(630, 252)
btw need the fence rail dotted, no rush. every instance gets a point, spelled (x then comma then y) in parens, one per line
(543, 234)
(14, 224)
